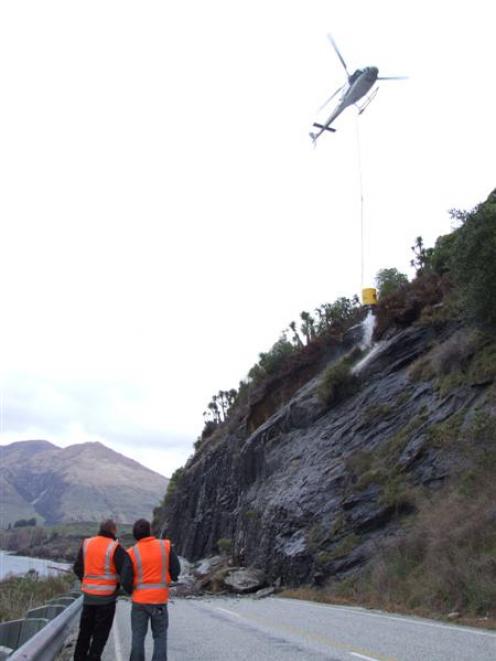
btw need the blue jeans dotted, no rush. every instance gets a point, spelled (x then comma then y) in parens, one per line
(159, 618)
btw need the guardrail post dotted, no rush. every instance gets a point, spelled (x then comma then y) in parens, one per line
(5, 652)
(46, 644)
(9, 633)
(48, 612)
(29, 628)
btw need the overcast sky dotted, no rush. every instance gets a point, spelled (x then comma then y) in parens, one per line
(164, 214)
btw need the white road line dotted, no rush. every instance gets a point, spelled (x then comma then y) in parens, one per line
(117, 642)
(294, 631)
(224, 610)
(405, 619)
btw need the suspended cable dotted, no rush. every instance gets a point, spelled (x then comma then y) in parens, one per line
(360, 181)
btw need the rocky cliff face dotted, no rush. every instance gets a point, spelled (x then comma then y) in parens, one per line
(316, 489)
(85, 482)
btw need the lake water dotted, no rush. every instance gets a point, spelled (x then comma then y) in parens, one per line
(18, 565)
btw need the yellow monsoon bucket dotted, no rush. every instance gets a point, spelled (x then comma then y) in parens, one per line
(369, 296)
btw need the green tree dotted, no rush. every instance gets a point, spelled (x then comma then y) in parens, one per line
(442, 255)
(277, 355)
(422, 256)
(308, 326)
(336, 315)
(219, 407)
(389, 280)
(296, 339)
(473, 261)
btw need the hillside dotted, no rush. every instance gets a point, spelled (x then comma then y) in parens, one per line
(84, 482)
(374, 479)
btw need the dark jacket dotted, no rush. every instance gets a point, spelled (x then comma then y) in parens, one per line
(121, 560)
(127, 576)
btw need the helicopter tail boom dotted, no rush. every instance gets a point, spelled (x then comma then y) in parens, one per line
(322, 128)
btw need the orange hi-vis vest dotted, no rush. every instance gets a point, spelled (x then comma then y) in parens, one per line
(151, 564)
(100, 573)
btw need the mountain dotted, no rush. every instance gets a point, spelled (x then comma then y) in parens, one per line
(84, 482)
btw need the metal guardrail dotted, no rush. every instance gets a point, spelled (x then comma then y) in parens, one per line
(47, 643)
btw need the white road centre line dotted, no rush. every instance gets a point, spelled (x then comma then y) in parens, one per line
(224, 610)
(117, 642)
(405, 619)
(362, 656)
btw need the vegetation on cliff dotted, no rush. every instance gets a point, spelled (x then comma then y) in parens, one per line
(457, 275)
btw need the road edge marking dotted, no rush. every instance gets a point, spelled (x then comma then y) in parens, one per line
(117, 642)
(406, 619)
(225, 610)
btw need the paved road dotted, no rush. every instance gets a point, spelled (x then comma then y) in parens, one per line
(222, 629)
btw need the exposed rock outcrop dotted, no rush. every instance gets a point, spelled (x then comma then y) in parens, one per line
(315, 490)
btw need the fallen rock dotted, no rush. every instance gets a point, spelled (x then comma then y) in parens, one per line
(207, 566)
(245, 580)
(264, 592)
(454, 615)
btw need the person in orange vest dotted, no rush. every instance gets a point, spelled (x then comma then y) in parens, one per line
(99, 565)
(154, 564)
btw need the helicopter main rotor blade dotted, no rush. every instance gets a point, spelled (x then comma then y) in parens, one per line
(338, 53)
(392, 78)
(330, 98)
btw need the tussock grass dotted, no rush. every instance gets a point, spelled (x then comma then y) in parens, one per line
(338, 381)
(444, 560)
(467, 357)
(19, 594)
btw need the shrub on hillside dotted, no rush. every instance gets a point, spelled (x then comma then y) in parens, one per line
(455, 353)
(466, 256)
(388, 281)
(444, 557)
(473, 263)
(445, 561)
(225, 546)
(404, 306)
(273, 359)
(22, 523)
(175, 481)
(442, 254)
(339, 381)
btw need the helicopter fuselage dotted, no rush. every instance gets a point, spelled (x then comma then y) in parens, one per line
(359, 84)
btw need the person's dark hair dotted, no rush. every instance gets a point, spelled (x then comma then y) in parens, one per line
(141, 529)
(108, 526)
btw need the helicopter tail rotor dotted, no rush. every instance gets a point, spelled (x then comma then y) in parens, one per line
(392, 78)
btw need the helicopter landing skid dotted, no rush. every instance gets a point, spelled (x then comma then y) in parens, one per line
(367, 102)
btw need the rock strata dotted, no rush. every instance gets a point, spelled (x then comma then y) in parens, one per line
(315, 490)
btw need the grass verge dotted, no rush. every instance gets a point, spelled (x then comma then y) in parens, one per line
(19, 594)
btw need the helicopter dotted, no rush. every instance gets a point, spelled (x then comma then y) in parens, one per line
(359, 83)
